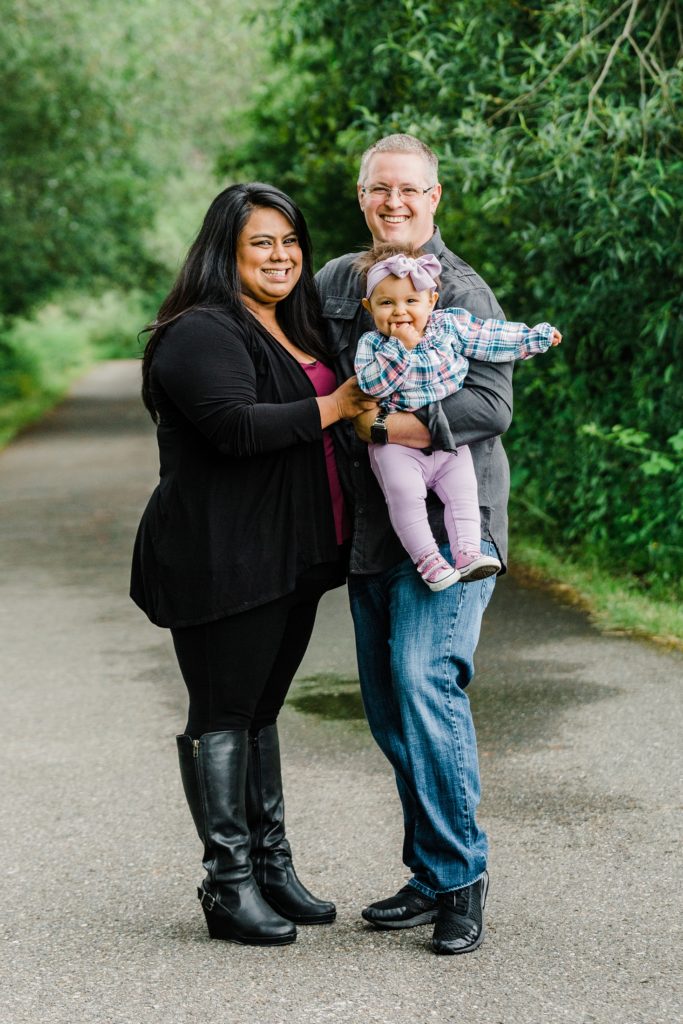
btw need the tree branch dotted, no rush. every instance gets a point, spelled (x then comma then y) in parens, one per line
(658, 27)
(679, 28)
(653, 69)
(569, 55)
(614, 49)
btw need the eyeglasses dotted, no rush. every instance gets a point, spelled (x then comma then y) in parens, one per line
(404, 191)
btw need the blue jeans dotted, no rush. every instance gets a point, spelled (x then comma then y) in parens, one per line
(415, 658)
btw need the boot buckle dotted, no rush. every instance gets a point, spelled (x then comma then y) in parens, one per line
(205, 896)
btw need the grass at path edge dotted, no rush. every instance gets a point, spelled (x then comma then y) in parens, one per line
(613, 603)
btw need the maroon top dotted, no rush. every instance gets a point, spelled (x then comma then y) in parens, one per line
(324, 381)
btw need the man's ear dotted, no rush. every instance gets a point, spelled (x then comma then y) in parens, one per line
(434, 197)
(366, 304)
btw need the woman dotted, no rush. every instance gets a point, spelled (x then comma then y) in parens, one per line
(242, 535)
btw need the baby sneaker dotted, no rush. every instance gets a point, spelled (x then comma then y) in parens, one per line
(473, 565)
(436, 571)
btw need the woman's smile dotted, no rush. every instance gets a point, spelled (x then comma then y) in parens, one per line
(277, 273)
(268, 257)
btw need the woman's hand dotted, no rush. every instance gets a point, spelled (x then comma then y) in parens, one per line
(351, 401)
(347, 402)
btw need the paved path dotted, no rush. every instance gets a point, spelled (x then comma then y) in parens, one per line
(580, 746)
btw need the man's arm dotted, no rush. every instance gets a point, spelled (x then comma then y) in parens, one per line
(402, 428)
(481, 409)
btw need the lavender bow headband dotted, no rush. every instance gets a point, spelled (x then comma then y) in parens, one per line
(423, 271)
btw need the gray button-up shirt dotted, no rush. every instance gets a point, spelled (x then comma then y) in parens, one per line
(476, 415)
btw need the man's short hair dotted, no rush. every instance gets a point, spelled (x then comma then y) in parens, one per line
(399, 144)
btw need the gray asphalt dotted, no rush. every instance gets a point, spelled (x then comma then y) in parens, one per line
(580, 739)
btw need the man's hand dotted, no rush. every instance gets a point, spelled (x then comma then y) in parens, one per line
(406, 334)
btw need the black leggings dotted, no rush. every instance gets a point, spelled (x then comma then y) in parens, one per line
(238, 669)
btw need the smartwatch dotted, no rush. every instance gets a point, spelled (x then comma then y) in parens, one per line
(378, 431)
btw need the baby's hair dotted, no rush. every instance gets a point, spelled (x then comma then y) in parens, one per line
(383, 251)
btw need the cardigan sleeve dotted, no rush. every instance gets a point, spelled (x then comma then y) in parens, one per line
(204, 367)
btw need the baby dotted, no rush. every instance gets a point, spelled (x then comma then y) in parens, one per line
(418, 355)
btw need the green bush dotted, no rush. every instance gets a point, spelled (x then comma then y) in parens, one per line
(74, 191)
(42, 354)
(558, 127)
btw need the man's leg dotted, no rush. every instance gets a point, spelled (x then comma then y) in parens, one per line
(415, 654)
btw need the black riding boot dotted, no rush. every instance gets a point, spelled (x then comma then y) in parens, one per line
(214, 771)
(271, 854)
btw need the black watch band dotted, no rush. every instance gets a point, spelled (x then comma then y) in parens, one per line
(378, 431)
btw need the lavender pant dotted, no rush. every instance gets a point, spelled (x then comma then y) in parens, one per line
(406, 474)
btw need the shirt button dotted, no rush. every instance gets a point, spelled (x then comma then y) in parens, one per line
(356, 463)
(360, 510)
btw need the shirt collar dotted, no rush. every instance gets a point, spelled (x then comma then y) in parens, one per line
(435, 244)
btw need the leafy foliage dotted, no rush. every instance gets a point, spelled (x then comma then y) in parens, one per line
(110, 116)
(41, 355)
(72, 186)
(558, 127)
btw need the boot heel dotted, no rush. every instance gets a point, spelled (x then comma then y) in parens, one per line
(217, 923)
(221, 925)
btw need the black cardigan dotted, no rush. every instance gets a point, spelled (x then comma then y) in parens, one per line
(243, 506)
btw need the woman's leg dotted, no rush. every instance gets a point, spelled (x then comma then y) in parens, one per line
(271, 854)
(227, 665)
(213, 769)
(296, 635)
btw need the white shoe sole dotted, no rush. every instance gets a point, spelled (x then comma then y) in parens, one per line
(447, 581)
(480, 569)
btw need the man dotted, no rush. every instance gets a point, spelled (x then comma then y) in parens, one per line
(415, 648)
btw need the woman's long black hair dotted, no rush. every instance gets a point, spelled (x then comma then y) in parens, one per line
(209, 277)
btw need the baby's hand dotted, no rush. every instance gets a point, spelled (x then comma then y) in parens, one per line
(555, 337)
(406, 334)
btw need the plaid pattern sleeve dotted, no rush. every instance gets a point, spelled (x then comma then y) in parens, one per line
(404, 379)
(495, 341)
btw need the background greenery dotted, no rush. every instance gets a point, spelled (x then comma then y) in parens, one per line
(559, 130)
(111, 117)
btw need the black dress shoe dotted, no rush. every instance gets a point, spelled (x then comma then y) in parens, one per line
(459, 924)
(406, 909)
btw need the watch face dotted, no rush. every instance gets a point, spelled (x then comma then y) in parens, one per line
(378, 432)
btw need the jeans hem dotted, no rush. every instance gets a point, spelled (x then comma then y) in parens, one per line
(432, 894)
